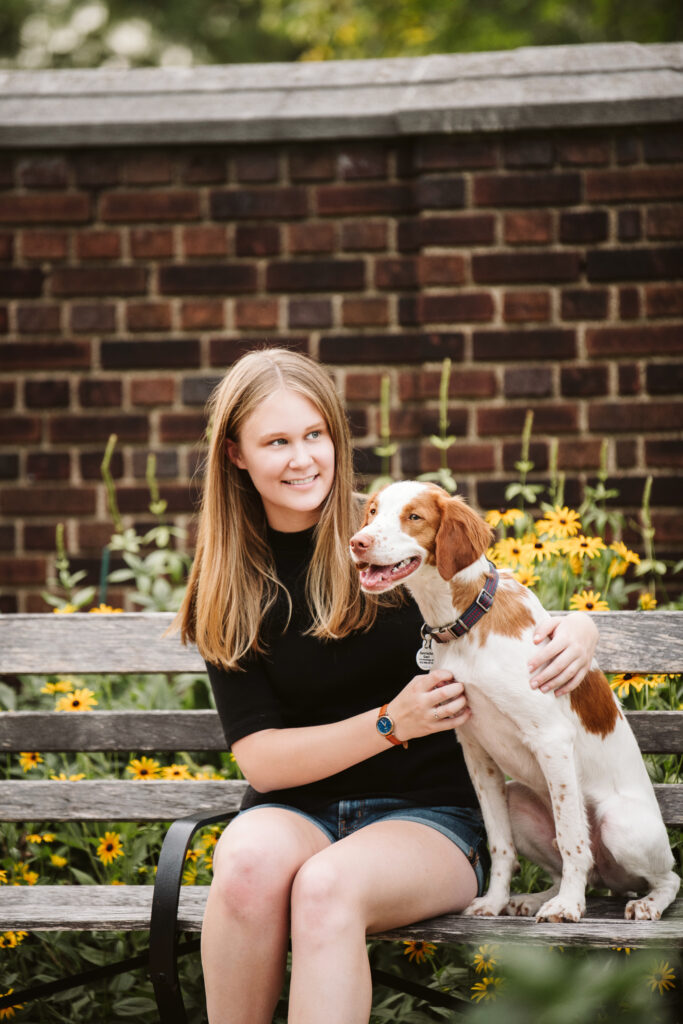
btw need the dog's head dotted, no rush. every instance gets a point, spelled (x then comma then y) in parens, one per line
(410, 525)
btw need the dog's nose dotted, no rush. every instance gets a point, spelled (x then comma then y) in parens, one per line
(360, 543)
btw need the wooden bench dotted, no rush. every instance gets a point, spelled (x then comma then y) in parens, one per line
(133, 643)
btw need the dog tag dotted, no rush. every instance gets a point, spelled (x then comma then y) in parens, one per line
(425, 656)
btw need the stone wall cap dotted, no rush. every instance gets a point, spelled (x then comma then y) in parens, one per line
(529, 88)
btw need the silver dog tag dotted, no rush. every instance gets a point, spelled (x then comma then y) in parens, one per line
(425, 656)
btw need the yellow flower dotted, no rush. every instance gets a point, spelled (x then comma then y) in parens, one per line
(662, 978)
(110, 847)
(487, 988)
(626, 681)
(587, 601)
(61, 686)
(144, 768)
(3, 877)
(484, 960)
(79, 700)
(176, 771)
(48, 837)
(540, 548)
(419, 950)
(623, 949)
(61, 777)
(105, 609)
(10, 940)
(624, 553)
(190, 874)
(57, 861)
(34, 838)
(647, 602)
(66, 610)
(208, 841)
(511, 552)
(581, 545)
(654, 681)
(560, 522)
(526, 577)
(29, 759)
(8, 1012)
(505, 516)
(30, 877)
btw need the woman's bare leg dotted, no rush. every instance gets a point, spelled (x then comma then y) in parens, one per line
(246, 925)
(383, 876)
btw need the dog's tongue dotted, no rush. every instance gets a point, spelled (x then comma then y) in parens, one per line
(376, 574)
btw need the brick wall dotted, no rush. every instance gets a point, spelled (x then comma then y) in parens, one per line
(547, 267)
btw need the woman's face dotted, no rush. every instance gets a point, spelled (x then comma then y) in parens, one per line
(286, 448)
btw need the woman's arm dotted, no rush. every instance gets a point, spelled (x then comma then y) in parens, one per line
(560, 665)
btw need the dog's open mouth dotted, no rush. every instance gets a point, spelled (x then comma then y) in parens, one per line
(380, 577)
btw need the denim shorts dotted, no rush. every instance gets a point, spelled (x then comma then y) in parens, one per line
(464, 826)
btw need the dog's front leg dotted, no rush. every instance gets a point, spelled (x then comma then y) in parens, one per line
(489, 784)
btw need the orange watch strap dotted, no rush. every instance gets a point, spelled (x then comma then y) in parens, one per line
(389, 736)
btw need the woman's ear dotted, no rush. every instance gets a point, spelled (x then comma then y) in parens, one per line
(232, 450)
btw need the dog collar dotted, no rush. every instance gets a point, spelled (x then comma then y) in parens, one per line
(469, 618)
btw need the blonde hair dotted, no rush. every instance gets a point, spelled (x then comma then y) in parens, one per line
(233, 582)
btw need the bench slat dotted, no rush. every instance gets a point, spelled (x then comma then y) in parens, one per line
(152, 731)
(81, 643)
(127, 800)
(120, 908)
(117, 799)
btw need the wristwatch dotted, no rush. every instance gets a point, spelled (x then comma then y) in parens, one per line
(385, 727)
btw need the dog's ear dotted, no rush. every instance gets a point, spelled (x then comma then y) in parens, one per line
(462, 538)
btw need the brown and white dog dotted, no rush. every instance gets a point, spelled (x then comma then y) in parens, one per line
(581, 803)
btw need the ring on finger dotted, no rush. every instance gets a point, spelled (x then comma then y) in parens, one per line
(436, 714)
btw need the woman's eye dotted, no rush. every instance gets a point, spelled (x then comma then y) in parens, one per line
(315, 434)
(278, 441)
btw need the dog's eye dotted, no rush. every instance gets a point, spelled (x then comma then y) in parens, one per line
(372, 511)
(415, 517)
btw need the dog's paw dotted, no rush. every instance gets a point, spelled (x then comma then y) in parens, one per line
(644, 909)
(482, 906)
(561, 909)
(523, 905)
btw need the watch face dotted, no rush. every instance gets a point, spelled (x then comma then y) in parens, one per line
(385, 725)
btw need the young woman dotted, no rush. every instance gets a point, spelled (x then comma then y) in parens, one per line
(344, 831)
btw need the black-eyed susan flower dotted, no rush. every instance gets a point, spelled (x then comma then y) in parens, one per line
(418, 950)
(662, 978)
(559, 522)
(506, 517)
(34, 838)
(624, 682)
(10, 940)
(30, 877)
(62, 777)
(57, 861)
(657, 679)
(9, 1011)
(484, 960)
(79, 700)
(105, 609)
(144, 768)
(540, 548)
(588, 601)
(3, 877)
(29, 759)
(176, 771)
(110, 847)
(487, 988)
(588, 547)
(525, 576)
(512, 552)
(66, 609)
(61, 686)
(647, 602)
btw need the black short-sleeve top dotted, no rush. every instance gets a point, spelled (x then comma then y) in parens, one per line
(305, 681)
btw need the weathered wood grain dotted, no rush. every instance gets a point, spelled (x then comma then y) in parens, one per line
(135, 642)
(148, 731)
(116, 800)
(128, 908)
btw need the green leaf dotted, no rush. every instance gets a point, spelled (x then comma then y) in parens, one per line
(442, 443)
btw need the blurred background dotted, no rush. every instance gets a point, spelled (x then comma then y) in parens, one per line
(134, 33)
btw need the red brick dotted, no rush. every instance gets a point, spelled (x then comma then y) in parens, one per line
(147, 169)
(421, 422)
(315, 275)
(205, 240)
(633, 417)
(664, 222)
(582, 151)
(545, 343)
(258, 164)
(538, 454)
(444, 270)
(629, 304)
(150, 243)
(6, 245)
(100, 392)
(261, 314)
(47, 394)
(133, 207)
(152, 391)
(202, 313)
(634, 183)
(579, 453)
(257, 240)
(392, 348)
(510, 419)
(528, 152)
(93, 536)
(309, 313)
(627, 149)
(45, 208)
(584, 304)
(521, 307)
(523, 267)
(361, 312)
(38, 319)
(364, 235)
(43, 172)
(311, 236)
(72, 429)
(98, 245)
(532, 228)
(396, 273)
(205, 167)
(440, 193)
(664, 453)
(417, 385)
(524, 381)
(150, 355)
(96, 168)
(207, 279)
(355, 199)
(584, 226)
(629, 225)
(527, 189)
(437, 153)
(7, 538)
(148, 316)
(664, 378)
(136, 499)
(363, 387)
(9, 466)
(166, 467)
(20, 283)
(629, 379)
(185, 426)
(48, 466)
(584, 381)
(4, 320)
(21, 429)
(224, 351)
(7, 394)
(259, 203)
(33, 501)
(458, 308)
(93, 318)
(664, 301)
(47, 355)
(461, 458)
(18, 571)
(460, 229)
(663, 143)
(312, 163)
(362, 160)
(72, 281)
(646, 340)
(44, 245)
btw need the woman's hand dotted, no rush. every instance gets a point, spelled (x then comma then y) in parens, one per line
(560, 665)
(429, 703)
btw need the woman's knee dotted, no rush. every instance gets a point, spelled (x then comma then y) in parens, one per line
(250, 878)
(323, 900)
